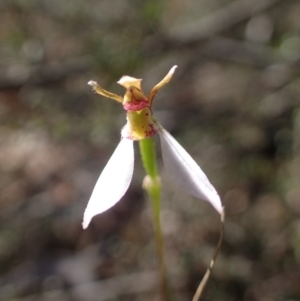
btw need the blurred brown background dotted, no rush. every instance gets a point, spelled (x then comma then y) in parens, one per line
(233, 104)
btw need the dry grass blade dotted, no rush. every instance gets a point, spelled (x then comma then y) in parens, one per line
(205, 278)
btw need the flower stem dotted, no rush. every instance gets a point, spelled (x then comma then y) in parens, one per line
(153, 187)
(148, 154)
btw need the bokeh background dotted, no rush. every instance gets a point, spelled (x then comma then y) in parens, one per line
(233, 104)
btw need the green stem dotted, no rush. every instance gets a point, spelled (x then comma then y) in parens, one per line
(148, 154)
(153, 187)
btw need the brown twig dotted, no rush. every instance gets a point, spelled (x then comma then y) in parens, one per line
(212, 262)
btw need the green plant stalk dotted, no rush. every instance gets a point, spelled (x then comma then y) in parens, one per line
(153, 187)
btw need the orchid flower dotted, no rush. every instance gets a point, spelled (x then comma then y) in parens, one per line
(117, 174)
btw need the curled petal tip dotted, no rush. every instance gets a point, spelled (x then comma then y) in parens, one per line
(172, 70)
(92, 83)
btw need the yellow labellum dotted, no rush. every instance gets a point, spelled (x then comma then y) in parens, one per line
(139, 125)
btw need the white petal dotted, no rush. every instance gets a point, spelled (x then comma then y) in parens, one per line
(113, 181)
(185, 171)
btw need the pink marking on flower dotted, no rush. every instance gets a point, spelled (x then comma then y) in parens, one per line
(136, 105)
(152, 131)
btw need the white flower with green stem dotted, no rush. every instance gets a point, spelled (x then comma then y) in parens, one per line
(142, 126)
